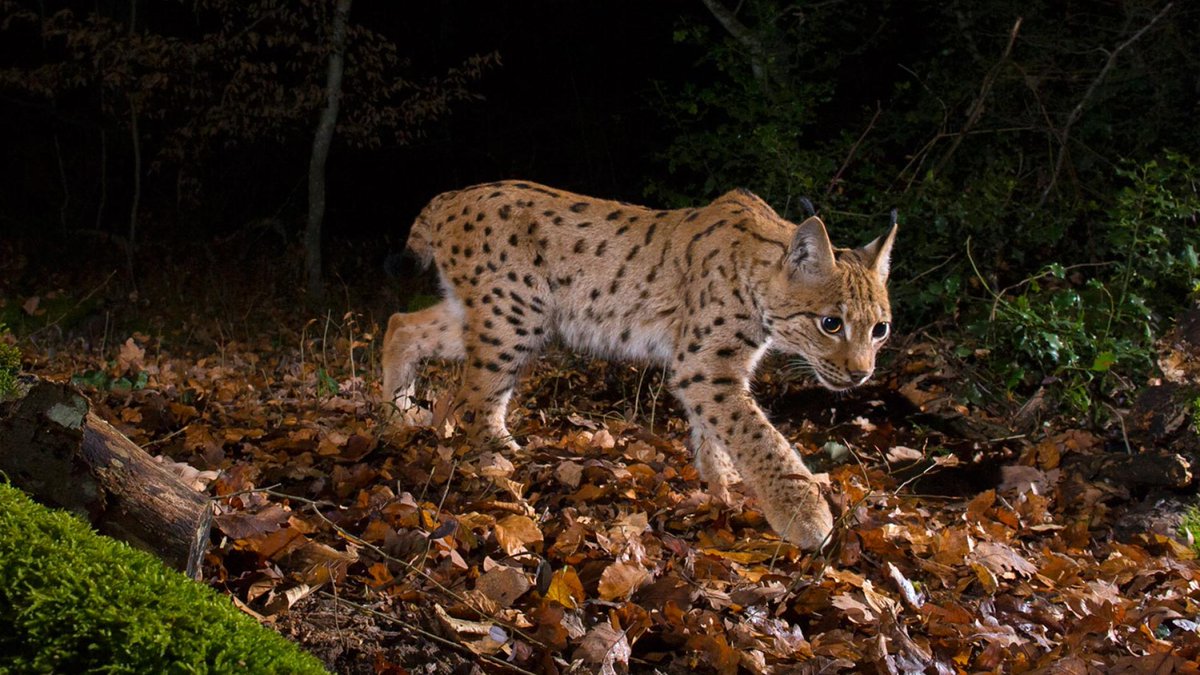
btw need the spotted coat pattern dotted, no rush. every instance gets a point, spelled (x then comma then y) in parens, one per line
(703, 292)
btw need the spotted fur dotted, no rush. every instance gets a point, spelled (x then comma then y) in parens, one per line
(703, 292)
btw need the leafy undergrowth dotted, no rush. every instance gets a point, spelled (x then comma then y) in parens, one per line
(597, 546)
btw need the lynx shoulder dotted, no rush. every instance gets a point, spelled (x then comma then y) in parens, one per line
(703, 292)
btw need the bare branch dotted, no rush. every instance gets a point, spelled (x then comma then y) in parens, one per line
(977, 106)
(837, 177)
(760, 61)
(322, 139)
(1077, 111)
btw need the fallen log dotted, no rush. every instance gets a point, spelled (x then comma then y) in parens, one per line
(54, 448)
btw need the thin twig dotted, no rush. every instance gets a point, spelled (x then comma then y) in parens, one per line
(441, 503)
(1121, 421)
(853, 150)
(977, 106)
(76, 306)
(999, 295)
(935, 268)
(1077, 112)
(358, 541)
(426, 634)
(164, 439)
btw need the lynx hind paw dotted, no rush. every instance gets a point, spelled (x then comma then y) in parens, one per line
(717, 470)
(801, 515)
(719, 491)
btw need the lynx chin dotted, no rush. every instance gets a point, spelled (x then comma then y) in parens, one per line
(702, 292)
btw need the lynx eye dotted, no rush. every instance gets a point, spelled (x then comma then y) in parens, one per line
(831, 324)
(881, 330)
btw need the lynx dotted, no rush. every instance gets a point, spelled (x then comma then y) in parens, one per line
(703, 292)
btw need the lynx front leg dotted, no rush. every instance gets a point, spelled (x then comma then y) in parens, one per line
(411, 338)
(714, 464)
(719, 403)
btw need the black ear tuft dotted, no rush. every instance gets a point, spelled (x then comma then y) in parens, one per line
(807, 205)
(895, 217)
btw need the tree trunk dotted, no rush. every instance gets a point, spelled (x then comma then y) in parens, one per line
(320, 152)
(54, 448)
(103, 181)
(762, 61)
(135, 139)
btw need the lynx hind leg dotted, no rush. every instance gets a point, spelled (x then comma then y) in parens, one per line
(432, 333)
(497, 350)
(714, 465)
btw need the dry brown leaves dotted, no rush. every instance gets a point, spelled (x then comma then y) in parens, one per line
(596, 546)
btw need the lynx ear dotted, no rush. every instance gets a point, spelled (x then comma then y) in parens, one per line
(879, 252)
(811, 251)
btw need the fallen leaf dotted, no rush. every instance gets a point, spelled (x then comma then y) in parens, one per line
(603, 440)
(899, 453)
(569, 474)
(495, 465)
(907, 591)
(566, 589)
(856, 610)
(864, 424)
(605, 647)
(130, 358)
(1003, 560)
(516, 534)
(620, 580)
(640, 451)
(279, 601)
(581, 421)
(478, 636)
(503, 585)
(244, 525)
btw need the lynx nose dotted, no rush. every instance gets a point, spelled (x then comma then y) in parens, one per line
(859, 376)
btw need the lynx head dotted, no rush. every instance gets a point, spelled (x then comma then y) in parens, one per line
(831, 306)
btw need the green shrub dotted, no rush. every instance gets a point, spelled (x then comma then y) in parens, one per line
(1091, 330)
(72, 601)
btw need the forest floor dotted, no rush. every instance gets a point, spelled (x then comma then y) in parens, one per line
(965, 544)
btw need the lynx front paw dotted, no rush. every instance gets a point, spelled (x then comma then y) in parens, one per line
(799, 513)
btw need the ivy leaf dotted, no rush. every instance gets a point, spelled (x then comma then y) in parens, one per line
(1103, 361)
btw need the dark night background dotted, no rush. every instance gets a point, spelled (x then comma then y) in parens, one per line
(571, 105)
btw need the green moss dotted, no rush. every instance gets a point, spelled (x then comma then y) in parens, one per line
(1190, 527)
(10, 364)
(1196, 415)
(72, 601)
